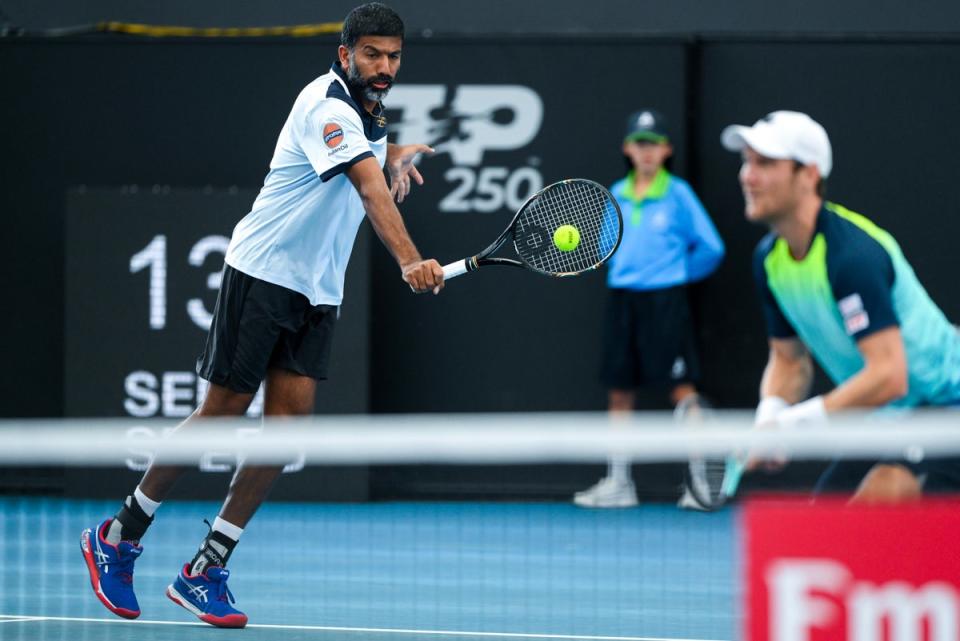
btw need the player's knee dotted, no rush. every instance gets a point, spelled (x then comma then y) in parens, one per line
(221, 401)
(888, 484)
(289, 407)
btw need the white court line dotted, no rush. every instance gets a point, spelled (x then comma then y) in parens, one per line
(324, 628)
(5, 618)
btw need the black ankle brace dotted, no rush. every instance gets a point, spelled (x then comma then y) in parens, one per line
(133, 520)
(215, 550)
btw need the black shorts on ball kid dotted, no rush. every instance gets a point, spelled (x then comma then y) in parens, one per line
(258, 326)
(648, 339)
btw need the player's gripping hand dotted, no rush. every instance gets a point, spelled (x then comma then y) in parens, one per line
(424, 276)
(775, 413)
(765, 418)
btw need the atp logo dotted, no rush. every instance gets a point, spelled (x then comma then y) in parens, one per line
(467, 122)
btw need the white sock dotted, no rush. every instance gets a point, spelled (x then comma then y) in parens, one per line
(227, 529)
(618, 469)
(148, 505)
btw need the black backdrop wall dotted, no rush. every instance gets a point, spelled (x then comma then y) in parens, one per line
(204, 116)
(468, 17)
(507, 115)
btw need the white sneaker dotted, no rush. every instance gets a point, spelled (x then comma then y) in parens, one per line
(608, 492)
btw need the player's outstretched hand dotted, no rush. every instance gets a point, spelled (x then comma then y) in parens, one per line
(401, 166)
(424, 276)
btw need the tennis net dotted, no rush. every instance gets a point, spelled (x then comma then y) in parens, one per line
(450, 526)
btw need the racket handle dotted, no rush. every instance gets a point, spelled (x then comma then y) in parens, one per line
(736, 465)
(455, 269)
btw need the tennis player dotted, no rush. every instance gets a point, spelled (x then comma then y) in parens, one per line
(668, 242)
(835, 286)
(279, 298)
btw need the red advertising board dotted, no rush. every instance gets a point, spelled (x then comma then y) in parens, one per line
(830, 571)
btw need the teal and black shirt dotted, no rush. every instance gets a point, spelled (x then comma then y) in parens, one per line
(855, 281)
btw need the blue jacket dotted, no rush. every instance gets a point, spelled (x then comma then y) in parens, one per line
(668, 238)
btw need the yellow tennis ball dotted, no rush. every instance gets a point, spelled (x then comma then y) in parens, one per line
(566, 238)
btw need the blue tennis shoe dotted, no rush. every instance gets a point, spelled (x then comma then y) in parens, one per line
(207, 596)
(111, 570)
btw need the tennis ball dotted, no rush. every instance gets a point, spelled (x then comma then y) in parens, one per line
(566, 238)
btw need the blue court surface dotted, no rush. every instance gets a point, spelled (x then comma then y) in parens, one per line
(392, 572)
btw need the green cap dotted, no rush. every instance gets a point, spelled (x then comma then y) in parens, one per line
(646, 124)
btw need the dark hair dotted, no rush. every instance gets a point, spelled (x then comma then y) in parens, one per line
(821, 186)
(371, 19)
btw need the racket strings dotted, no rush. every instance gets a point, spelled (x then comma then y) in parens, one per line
(707, 480)
(584, 208)
(715, 473)
(583, 204)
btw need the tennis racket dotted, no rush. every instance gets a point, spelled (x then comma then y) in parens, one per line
(710, 480)
(713, 481)
(565, 229)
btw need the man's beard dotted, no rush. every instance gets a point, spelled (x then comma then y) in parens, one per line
(365, 86)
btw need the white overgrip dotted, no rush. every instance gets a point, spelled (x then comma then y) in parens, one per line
(455, 269)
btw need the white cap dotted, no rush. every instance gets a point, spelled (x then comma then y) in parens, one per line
(788, 135)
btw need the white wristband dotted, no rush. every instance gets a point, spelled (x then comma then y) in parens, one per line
(768, 409)
(809, 412)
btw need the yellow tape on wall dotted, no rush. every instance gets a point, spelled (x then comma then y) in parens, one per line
(157, 31)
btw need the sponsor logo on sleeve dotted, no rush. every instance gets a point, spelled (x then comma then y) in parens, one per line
(855, 317)
(332, 135)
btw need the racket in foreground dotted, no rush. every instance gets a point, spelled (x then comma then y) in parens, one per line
(710, 480)
(565, 229)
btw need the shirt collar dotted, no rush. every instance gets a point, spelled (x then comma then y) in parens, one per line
(818, 229)
(657, 188)
(378, 111)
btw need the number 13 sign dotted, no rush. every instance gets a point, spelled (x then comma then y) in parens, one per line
(143, 267)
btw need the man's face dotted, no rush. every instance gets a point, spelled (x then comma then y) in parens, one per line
(372, 65)
(772, 188)
(647, 156)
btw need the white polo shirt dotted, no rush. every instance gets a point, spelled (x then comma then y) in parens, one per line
(301, 229)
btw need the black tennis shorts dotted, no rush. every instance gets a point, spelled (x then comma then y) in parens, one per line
(258, 325)
(648, 339)
(936, 474)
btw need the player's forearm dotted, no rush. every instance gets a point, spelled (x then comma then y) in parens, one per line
(388, 223)
(874, 386)
(789, 379)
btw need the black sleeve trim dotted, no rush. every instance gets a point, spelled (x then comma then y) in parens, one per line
(342, 167)
(874, 328)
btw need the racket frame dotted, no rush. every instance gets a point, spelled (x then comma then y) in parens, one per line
(733, 470)
(484, 258)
